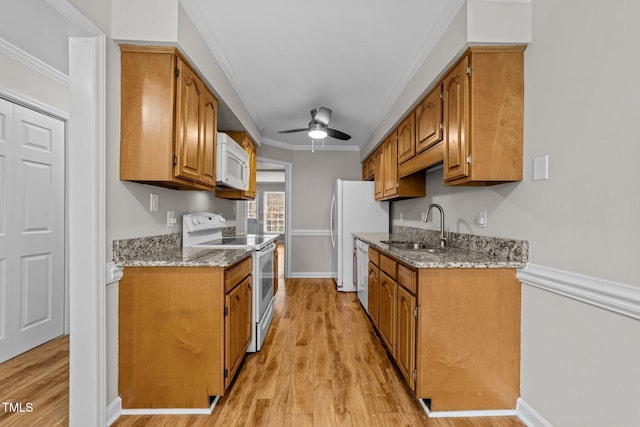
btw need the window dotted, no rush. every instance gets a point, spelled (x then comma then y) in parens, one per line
(274, 211)
(251, 209)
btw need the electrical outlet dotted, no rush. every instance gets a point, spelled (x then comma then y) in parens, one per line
(482, 219)
(171, 219)
(154, 202)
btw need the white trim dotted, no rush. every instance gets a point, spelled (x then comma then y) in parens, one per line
(87, 133)
(32, 103)
(32, 62)
(307, 147)
(114, 410)
(616, 297)
(310, 275)
(530, 416)
(113, 273)
(172, 411)
(475, 413)
(288, 208)
(311, 233)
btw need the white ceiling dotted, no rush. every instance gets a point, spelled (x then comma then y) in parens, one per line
(286, 57)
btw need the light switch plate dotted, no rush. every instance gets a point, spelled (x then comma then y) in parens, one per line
(541, 168)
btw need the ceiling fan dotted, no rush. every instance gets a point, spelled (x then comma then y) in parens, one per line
(319, 126)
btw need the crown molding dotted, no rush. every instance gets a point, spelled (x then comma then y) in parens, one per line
(317, 147)
(32, 62)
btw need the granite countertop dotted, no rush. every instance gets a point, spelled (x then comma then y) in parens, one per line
(454, 257)
(165, 251)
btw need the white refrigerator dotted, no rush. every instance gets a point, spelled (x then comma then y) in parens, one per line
(353, 209)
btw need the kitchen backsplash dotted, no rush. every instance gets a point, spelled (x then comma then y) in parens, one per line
(497, 246)
(132, 248)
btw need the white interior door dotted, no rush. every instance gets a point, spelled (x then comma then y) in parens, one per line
(31, 229)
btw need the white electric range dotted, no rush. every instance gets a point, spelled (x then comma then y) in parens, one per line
(204, 230)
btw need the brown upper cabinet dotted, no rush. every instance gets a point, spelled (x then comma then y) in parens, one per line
(428, 119)
(168, 120)
(389, 185)
(483, 116)
(407, 138)
(245, 141)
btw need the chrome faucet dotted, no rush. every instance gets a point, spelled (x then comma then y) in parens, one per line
(443, 240)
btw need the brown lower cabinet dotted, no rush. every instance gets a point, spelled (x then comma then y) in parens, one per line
(453, 333)
(183, 332)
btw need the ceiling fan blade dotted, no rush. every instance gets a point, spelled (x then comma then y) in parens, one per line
(337, 134)
(321, 115)
(294, 130)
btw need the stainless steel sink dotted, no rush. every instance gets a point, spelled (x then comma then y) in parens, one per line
(414, 246)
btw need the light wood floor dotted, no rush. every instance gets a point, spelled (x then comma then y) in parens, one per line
(321, 365)
(39, 377)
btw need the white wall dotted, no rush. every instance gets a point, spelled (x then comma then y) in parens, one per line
(579, 363)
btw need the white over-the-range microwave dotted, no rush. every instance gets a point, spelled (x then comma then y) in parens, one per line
(232, 163)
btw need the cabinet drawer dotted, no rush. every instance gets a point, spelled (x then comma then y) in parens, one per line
(407, 278)
(374, 256)
(389, 266)
(235, 274)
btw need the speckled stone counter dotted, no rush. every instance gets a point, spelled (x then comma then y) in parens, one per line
(464, 251)
(165, 251)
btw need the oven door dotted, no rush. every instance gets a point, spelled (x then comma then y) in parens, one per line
(263, 277)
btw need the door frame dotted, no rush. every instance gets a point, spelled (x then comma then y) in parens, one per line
(288, 203)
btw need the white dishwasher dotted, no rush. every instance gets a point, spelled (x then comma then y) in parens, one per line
(362, 262)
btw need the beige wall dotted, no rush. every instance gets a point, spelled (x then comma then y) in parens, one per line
(579, 363)
(25, 82)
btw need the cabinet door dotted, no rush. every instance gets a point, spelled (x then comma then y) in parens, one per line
(390, 166)
(387, 310)
(456, 122)
(237, 326)
(406, 339)
(188, 148)
(379, 173)
(407, 139)
(429, 120)
(373, 291)
(209, 129)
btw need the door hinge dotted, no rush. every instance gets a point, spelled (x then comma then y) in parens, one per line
(175, 160)
(177, 72)
(468, 70)
(226, 311)
(468, 160)
(226, 373)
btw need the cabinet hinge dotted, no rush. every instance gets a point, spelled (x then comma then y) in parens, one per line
(175, 160)
(226, 311)
(415, 376)
(468, 70)
(441, 96)
(415, 312)
(468, 160)
(177, 72)
(226, 373)
(441, 126)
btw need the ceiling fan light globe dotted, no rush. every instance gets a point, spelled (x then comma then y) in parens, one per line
(317, 131)
(318, 134)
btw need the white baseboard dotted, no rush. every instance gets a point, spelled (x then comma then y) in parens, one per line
(459, 414)
(114, 409)
(310, 275)
(530, 416)
(616, 297)
(172, 411)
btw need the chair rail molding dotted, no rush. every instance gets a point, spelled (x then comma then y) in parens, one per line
(616, 297)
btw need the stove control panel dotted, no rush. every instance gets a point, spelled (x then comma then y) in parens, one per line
(201, 221)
